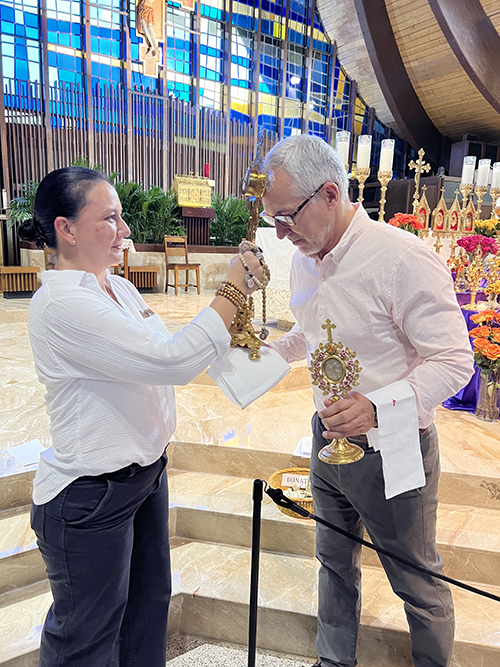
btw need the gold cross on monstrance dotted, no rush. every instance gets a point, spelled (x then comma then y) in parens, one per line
(329, 327)
(419, 168)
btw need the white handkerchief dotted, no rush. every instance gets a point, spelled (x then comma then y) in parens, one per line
(28, 453)
(397, 437)
(242, 379)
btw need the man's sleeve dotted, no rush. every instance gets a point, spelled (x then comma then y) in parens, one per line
(426, 310)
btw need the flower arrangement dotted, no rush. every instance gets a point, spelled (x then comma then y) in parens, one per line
(407, 221)
(489, 228)
(486, 340)
(471, 243)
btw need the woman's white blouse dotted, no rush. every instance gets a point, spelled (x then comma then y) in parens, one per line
(109, 371)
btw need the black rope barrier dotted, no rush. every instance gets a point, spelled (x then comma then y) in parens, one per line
(281, 500)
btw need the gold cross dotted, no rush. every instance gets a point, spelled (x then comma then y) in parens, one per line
(329, 326)
(419, 168)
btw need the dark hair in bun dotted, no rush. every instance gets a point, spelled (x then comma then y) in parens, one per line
(63, 193)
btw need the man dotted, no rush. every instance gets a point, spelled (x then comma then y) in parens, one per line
(379, 292)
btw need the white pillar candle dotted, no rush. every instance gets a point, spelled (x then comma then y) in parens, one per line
(364, 151)
(386, 155)
(468, 169)
(495, 177)
(483, 172)
(343, 141)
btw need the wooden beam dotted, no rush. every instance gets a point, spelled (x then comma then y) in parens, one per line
(331, 93)
(309, 66)
(5, 163)
(227, 94)
(128, 97)
(197, 126)
(255, 95)
(46, 91)
(283, 74)
(88, 86)
(412, 119)
(475, 42)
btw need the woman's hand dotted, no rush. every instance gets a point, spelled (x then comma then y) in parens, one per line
(237, 272)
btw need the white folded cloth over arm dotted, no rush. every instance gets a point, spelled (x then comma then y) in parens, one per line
(242, 379)
(397, 437)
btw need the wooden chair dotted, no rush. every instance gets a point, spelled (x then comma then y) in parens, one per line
(177, 246)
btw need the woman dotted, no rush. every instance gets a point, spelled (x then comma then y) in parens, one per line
(100, 499)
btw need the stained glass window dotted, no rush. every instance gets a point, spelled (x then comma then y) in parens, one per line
(112, 22)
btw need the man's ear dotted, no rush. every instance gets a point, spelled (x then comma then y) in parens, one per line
(64, 229)
(332, 194)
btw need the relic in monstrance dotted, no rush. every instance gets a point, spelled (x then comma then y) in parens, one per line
(253, 187)
(335, 370)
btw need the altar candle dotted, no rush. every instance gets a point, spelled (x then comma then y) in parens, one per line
(364, 151)
(387, 155)
(468, 169)
(343, 141)
(495, 177)
(483, 172)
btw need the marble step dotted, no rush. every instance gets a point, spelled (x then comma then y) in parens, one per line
(20, 561)
(214, 581)
(218, 508)
(210, 599)
(475, 482)
(22, 613)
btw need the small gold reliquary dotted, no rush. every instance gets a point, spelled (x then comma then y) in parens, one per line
(193, 191)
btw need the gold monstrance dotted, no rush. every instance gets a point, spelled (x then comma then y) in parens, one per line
(335, 370)
(253, 186)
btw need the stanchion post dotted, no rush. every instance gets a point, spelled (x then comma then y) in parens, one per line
(254, 576)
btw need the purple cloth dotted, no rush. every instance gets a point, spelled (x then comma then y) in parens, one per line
(466, 398)
(463, 299)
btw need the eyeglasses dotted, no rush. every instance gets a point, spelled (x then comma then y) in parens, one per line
(288, 220)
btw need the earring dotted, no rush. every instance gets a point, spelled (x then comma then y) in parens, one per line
(73, 242)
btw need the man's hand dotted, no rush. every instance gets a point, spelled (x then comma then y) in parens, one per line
(347, 417)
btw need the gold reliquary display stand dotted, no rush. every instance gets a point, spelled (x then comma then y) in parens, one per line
(193, 191)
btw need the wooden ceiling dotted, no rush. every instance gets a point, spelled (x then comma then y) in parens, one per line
(444, 66)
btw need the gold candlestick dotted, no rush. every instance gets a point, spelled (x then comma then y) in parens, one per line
(465, 190)
(494, 194)
(480, 191)
(384, 177)
(361, 175)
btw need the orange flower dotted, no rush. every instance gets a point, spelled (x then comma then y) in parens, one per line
(480, 332)
(481, 343)
(492, 351)
(489, 315)
(496, 335)
(478, 318)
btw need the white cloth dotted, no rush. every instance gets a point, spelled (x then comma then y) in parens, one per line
(391, 300)
(242, 379)
(109, 371)
(397, 438)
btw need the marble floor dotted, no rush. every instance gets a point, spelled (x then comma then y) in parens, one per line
(214, 439)
(275, 422)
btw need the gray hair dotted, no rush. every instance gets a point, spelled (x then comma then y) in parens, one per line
(309, 162)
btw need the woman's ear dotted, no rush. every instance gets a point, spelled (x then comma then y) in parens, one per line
(64, 230)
